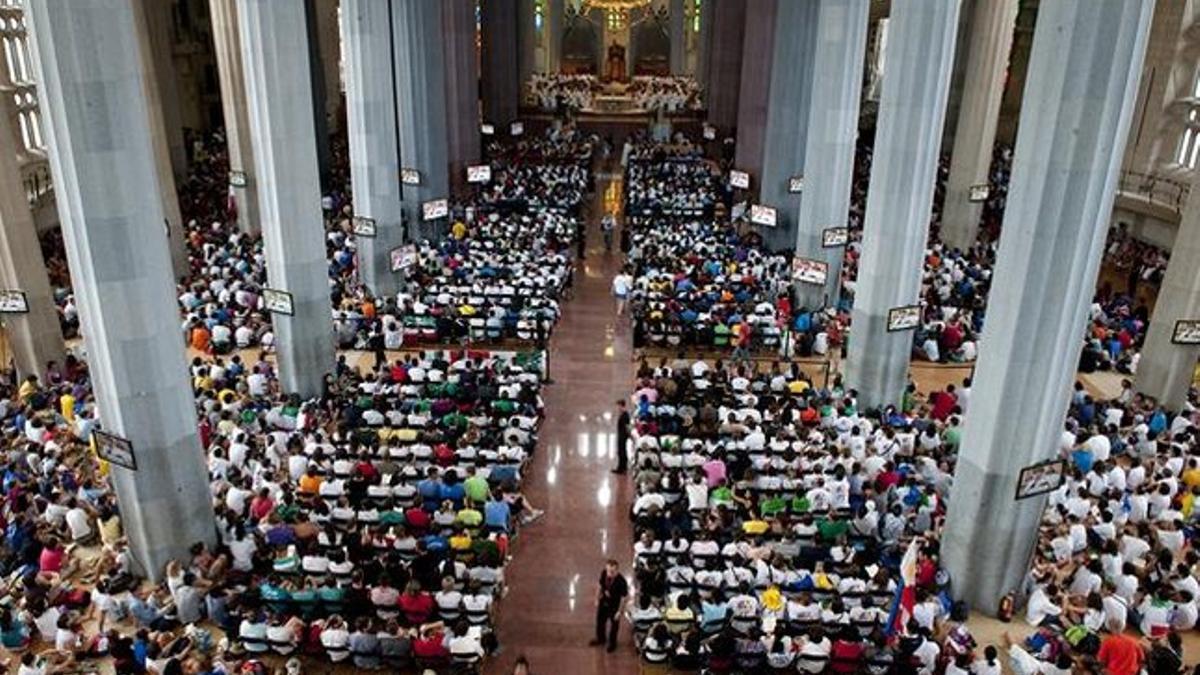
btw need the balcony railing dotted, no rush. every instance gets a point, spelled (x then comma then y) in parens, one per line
(1158, 190)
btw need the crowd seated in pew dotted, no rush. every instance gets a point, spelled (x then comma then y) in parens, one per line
(370, 524)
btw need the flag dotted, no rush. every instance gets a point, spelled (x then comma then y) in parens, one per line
(906, 592)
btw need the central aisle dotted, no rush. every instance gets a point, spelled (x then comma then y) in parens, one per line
(549, 613)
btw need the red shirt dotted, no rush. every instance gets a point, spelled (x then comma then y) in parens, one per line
(430, 647)
(51, 559)
(260, 507)
(417, 607)
(1120, 655)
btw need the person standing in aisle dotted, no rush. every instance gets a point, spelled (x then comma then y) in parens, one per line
(610, 602)
(622, 438)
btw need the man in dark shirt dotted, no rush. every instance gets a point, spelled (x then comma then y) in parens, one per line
(610, 601)
(622, 437)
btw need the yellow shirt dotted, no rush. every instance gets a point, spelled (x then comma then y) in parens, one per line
(27, 389)
(459, 230)
(460, 542)
(66, 404)
(1191, 477)
(110, 530)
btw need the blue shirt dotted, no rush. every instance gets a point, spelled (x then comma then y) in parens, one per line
(496, 514)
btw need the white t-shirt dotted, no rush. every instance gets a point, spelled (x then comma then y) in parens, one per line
(77, 522)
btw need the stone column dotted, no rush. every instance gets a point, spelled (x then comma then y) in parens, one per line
(236, 112)
(160, 63)
(723, 82)
(1165, 369)
(96, 115)
(789, 92)
(371, 129)
(677, 23)
(421, 107)
(320, 93)
(983, 87)
(920, 55)
(828, 163)
(704, 45)
(36, 338)
(163, 103)
(462, 89)
(555, 10)
(527, 39)
(502, 83)
(279, 91)
(1084, 69)
(757, 48)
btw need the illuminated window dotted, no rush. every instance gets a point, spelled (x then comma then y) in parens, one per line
(539, 13)
(696, 16)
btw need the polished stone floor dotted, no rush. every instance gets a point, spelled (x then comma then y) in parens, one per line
(549, 612)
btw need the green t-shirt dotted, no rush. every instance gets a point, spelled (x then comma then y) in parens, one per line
(470, 517)
(476, 488)
(832, 529)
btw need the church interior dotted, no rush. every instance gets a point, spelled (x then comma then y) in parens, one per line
(599, 336)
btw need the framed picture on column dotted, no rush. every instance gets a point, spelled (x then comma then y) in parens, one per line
(979, 193)
(403, 257)
(1038, 479)
(479, 173)
(13, 301)
(487, 129)
(739, 179)
(710, 132)
(276, 301)
(364, 226)
(516, 129)
(434, 209)
(833, 237)
(410, 176)
(1187, 332)
(907, 317)
(238, 179)
(809, 271)
(796, 184)
(763, 215)
(115, 450)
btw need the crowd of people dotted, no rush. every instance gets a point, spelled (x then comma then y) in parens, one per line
(368, 526)
(775, 519)
(668, 93)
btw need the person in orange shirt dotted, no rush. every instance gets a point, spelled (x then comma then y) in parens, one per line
(1120, 654)
(310, 482)
(199, 338)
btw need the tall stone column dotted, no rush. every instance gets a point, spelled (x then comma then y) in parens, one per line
(236, 112)
(501, 76)
(1165, 369)
(912, 108)
(1078, 101)
(555, 11)
(704, 46)
(371, 129)
(160, 63)
(677, 23)
(527, 39)
(983, 87)
(462, 89)
(94, 104)
(723, 82)
(757, 49)
(828, 163)
(162, 97)
(289, 192)
(36, 337)
(789, 98)
(421, 107)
